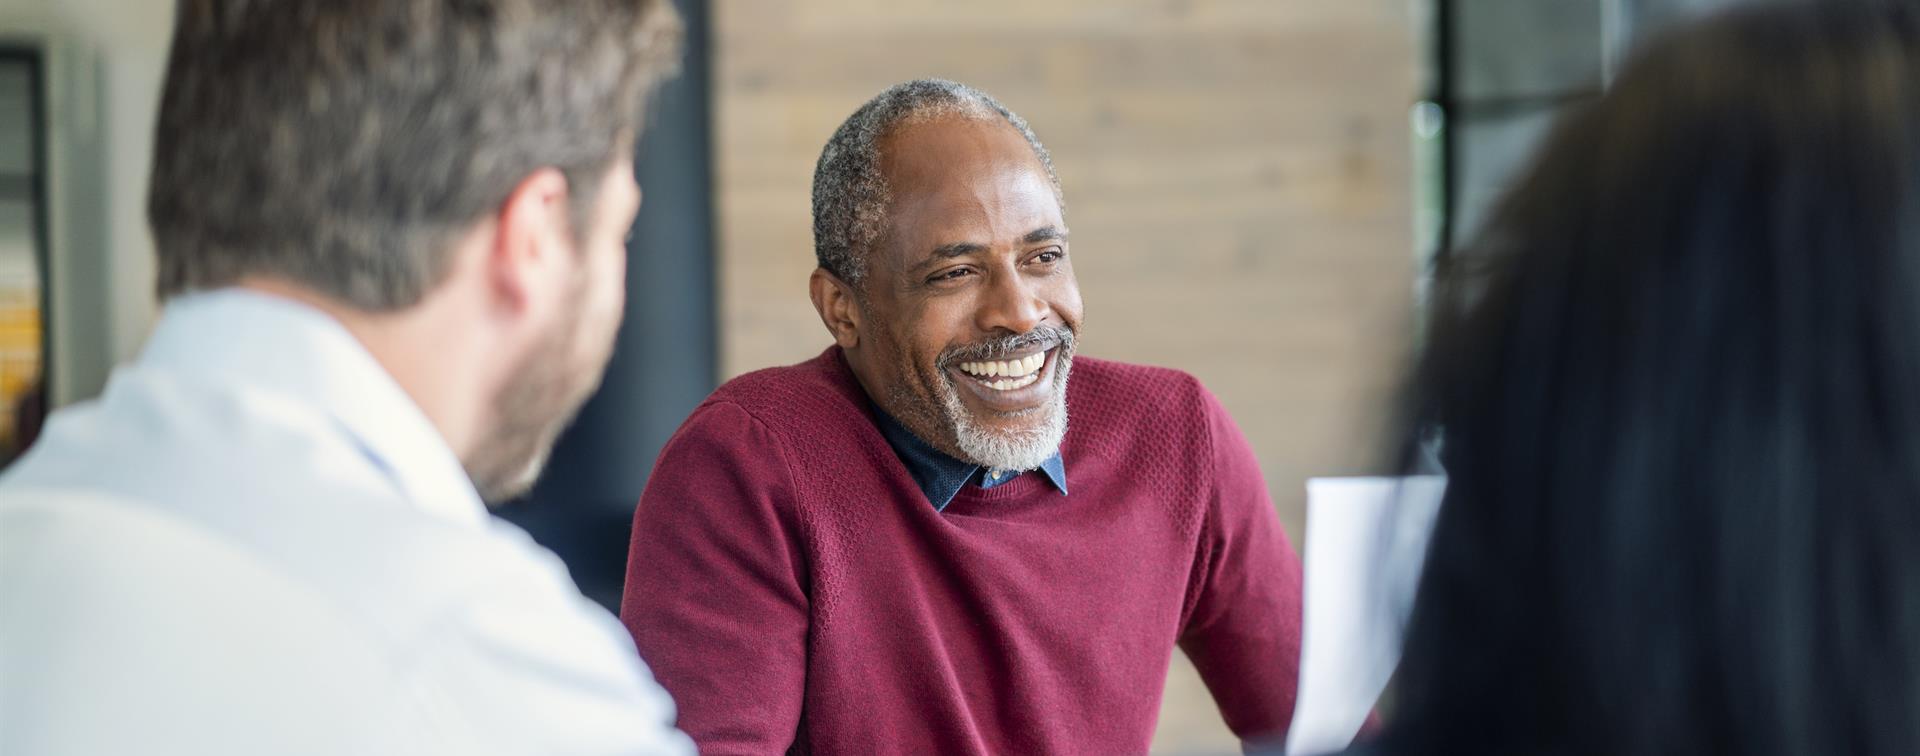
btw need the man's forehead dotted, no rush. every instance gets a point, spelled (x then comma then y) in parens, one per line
(925, 155)
(958, 175)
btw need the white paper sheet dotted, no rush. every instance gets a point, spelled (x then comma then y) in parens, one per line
(1366, 538)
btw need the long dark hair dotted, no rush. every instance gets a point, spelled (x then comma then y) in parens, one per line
(1677, 387)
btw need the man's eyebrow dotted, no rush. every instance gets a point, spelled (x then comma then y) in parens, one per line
(957, 249)
(944, 253)
(1045, 234)
(961, 249)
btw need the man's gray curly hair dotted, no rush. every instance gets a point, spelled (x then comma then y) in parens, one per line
(850, 194)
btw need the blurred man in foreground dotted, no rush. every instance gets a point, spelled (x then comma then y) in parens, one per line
(899, 547)
(390, 235)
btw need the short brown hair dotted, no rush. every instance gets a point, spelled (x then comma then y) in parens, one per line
(341, 144)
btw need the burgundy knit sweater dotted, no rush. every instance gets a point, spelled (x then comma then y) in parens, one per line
(791, 586)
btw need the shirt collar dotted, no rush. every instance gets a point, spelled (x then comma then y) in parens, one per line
(941, 476)
(272, 344)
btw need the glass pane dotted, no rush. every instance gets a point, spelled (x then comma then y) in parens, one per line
(1520, 49)
(21, 213)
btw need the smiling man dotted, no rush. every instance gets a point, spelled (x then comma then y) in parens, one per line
(902, 545)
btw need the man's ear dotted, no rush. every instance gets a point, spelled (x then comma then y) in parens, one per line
(532, 240)
(839, 310)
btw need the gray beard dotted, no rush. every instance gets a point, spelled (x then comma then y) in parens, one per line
(1018, 450)
(942, 420)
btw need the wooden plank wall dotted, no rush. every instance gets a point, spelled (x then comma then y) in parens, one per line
(1237, 174)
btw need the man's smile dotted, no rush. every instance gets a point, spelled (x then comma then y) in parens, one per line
(1018, 383)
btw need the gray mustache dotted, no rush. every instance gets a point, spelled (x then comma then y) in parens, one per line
(1045, 337)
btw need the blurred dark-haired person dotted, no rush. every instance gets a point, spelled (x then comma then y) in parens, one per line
(902, 545)
(391, 245)
(1677, 385)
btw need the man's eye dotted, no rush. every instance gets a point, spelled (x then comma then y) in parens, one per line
(950, 275)
(1051, 255)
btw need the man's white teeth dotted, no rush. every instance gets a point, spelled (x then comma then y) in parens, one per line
(1022, 372)
(1009, 384)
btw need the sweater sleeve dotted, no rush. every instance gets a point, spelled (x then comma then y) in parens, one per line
(1243, 632)
(715, 594)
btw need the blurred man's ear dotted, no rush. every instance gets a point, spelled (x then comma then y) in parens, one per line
(533, 238)
(839, 310)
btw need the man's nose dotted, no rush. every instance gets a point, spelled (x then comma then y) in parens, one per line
(1013, 304)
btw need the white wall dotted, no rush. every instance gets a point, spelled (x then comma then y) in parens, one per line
(106, 59)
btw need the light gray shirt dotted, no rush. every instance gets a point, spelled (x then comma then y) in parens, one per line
(255, 542)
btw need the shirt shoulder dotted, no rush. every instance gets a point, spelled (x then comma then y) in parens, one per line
(275, 483)
(127, 624)
(536, 666)
(107, 600)
(301, 584)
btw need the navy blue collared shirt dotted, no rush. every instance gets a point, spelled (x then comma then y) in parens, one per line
(940, 476)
